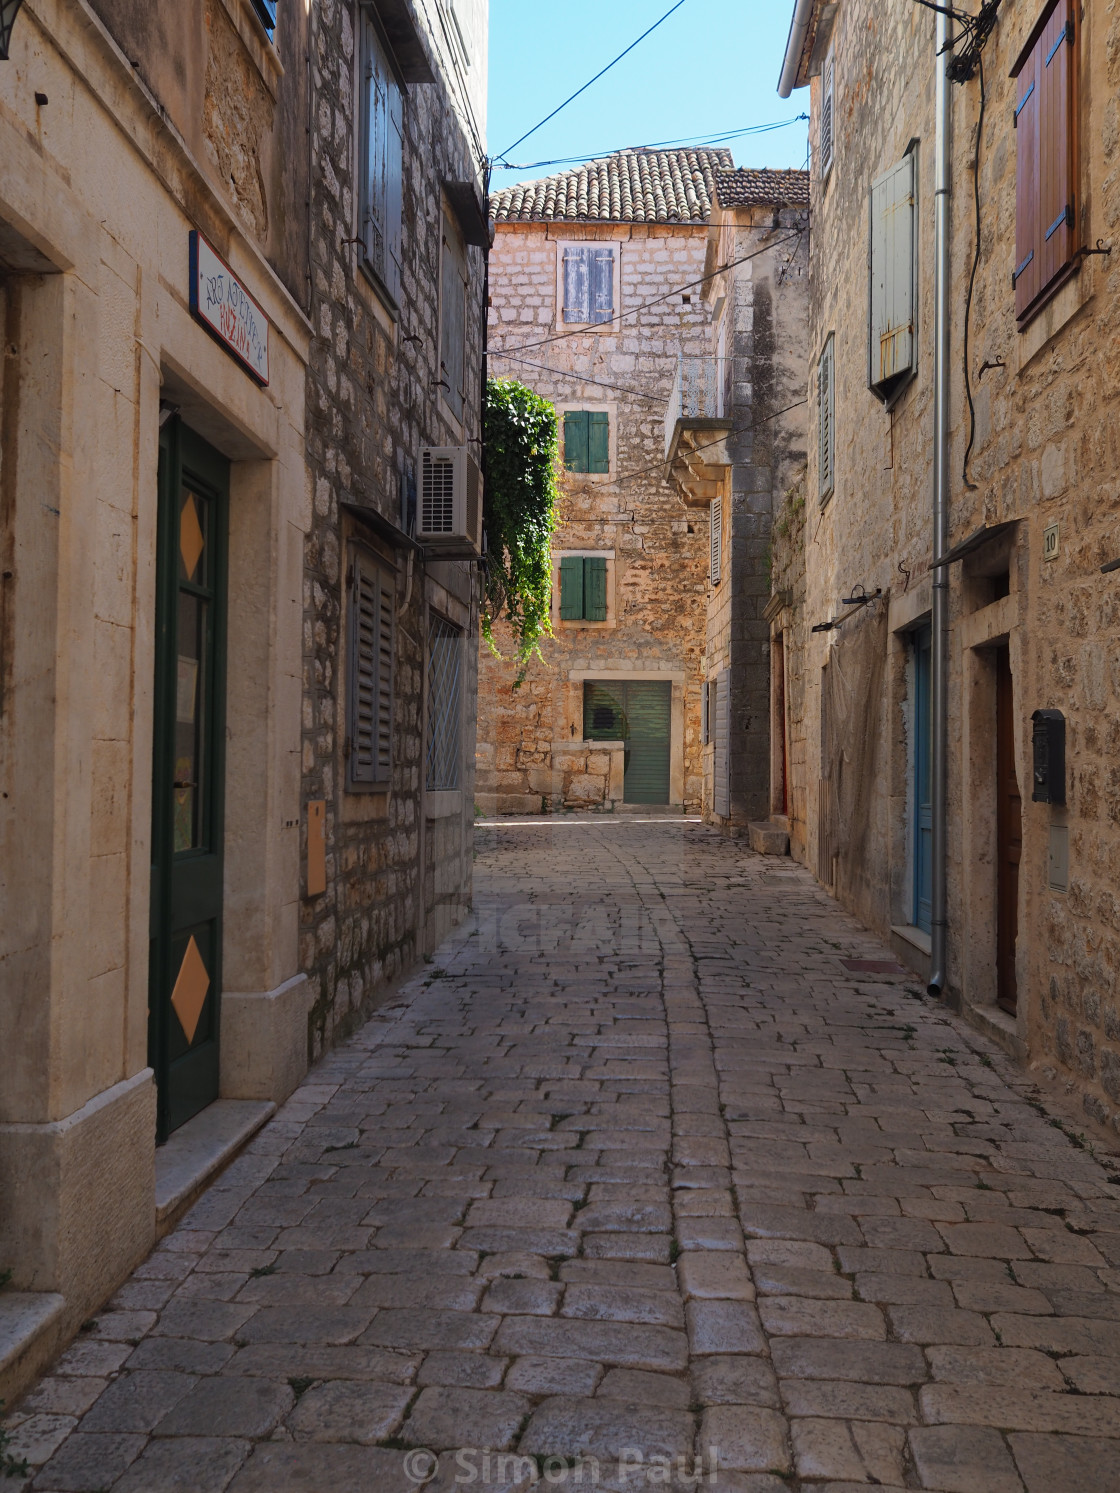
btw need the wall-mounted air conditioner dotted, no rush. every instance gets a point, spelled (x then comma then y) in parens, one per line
(449, 510)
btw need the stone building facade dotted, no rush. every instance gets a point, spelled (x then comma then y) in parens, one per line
(1033, 929)
(596, 281)
(153, 503)
(395, 367)
(735, 440)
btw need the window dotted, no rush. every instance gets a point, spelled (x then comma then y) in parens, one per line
(716, 571)
(721, 759)
(827, 114)
(892, 351)
(369, 704)
(588, 283)
(705, 717)
(381, 163)
(587, 441)
(453, 319)
(583, 588)
(826, 420)
(445, 652)
(1046, 209)
(266, 10)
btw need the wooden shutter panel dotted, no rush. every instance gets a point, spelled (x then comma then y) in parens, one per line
(576, 440)
(595, 589)
(704, 727)
(892, 276)
(1046, 207)
(394, 188)
(363, 668)
(721, 778)
(602, 286)
(577, 284)
(827, 115)
(453, 321)
(826, 407)
(385, 612)
(571, 588)
(1028, 261)
(376, 126)
(598, 441)
(716, 520)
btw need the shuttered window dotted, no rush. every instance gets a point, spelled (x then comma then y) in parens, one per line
(583, 588)
(266, 10)
(892, 350)
(382, 163)
(369, 712)
(453, 320)
(716, 541)
(588, 284)
(587, 441)
(1046, 207)
(721, 735)
(826, 421)
(705, 726)
(828, 114)
(445, 704)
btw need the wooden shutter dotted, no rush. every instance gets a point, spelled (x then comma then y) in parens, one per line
(721, 777)
(705, 734)
(827, 115)
(892, 240)
(598, 441)
(826, 412)
(571, 588)
(577, 284)
(576, 453)
(453, 320)
(716, 520)
(394, 188)
(1046, 207)
(602, 286)
(383, 148)
(595, 589)
(370, 647)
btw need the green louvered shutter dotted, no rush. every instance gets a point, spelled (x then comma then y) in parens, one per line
(571, 589)
(575, 440)
(648, 712)
(598, 447)
(595, 589)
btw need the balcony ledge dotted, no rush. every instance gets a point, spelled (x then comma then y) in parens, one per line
(697, 458)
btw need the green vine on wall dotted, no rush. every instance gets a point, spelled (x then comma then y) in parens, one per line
(521, 513)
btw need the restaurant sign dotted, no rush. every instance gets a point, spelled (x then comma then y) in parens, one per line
(227, 310)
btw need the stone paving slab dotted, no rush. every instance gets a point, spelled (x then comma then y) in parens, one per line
(637, 1180)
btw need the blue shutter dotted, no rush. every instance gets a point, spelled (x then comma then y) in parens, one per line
(571, 589)
(892, 276)
(595, 589)
(602, 286)
(577, 285)
(394, 188)
(598, 442)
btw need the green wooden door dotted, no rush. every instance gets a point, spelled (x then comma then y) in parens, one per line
(638, 712)
(188, 776)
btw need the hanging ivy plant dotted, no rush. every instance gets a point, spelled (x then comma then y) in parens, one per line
(521, 501)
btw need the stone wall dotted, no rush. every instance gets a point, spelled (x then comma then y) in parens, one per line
(531, 752)
(397, 877)
(1045, 452)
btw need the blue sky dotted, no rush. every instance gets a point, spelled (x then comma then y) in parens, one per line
(710, 68)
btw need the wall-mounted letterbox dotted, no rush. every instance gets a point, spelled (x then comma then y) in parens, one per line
(1049, 757)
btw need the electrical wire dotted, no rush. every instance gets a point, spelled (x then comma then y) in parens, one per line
(589, 82)
(735, 430)
(972, 285)
(699, 141)
(657, 300)
(581, 378)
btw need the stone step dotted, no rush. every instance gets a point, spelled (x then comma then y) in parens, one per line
(30, 1327)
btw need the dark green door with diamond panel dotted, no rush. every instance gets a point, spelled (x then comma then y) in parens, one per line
(638, 712)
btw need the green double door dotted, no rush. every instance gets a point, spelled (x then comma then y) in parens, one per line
(188, 776)
(638, 712)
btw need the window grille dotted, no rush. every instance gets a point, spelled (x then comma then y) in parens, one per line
(445, 652)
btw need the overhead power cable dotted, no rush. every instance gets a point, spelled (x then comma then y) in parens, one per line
(581, 378)
(698, 141)
(589, 82)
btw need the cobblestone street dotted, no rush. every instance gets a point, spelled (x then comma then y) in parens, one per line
(663, 1168)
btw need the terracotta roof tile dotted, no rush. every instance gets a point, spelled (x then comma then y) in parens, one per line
(632, 186)
(748, 188)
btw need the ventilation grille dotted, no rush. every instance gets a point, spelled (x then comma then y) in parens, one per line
(437, 495)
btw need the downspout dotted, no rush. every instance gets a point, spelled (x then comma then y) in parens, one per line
(940, 639)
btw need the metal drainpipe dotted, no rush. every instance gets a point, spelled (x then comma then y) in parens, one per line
(940, 640)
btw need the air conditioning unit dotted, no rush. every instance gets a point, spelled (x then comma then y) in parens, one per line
(449, 510)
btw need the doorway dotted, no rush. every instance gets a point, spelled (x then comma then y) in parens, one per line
(188, 776)
(639, 713)
(921, 780)
(1009, 837)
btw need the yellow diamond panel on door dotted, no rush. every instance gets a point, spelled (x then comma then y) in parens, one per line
(191, 540)
(191, 986)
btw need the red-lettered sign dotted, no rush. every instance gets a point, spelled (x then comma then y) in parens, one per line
(226, 309)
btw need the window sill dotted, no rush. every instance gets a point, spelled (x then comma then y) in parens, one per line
(1048, 319)
(569, 624)
(257, 42)
(383, 300)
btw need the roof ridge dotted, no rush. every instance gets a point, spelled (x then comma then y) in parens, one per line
(638, 183)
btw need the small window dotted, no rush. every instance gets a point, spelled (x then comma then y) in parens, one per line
(826, 421)
(705, 720)
(453, 319)
(587, 441)
(445, 665)
(589, 284)
(604, 711)
(1046, 206)
(827, 114)
(583, 588)
(892, 346)
(382, 164)
(369, 704)
(716, 568)
(266, 11)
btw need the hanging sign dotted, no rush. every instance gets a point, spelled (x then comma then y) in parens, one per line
(227, 310)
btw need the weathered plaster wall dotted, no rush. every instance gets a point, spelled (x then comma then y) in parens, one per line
(531, 750)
